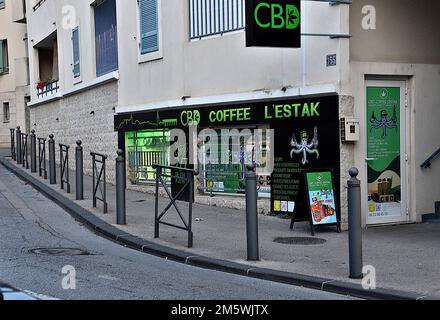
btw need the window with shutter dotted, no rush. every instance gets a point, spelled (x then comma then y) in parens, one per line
(106, 37)
(76, 53)
(1, 58)
(149, 29)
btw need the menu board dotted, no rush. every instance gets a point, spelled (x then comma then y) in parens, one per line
(321, 198)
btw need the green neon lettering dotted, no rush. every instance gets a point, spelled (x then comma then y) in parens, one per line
(267, 113)
(287, 111)
(247, 114)
(277, 16)
(292, 17)
(296, 106)
(306, 111)
(315, 109)
(279, 111)
(257, 20)
(212, 116)
(183, 116)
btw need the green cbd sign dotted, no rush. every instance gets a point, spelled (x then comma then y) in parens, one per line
(273, 23)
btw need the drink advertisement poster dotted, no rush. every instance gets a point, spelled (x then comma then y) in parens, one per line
(321, 198)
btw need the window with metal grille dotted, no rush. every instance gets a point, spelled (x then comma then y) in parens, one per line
(212, 17)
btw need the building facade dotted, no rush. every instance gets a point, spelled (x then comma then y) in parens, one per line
(14, 76)
(124, 73)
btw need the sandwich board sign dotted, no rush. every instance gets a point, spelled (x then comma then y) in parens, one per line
(273, 23)
(321, 198)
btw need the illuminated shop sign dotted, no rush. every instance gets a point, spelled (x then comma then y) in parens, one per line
(273, 23)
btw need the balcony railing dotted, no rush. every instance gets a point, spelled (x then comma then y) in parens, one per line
(49, 88)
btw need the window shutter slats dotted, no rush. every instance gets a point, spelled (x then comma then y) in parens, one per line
(149, 26)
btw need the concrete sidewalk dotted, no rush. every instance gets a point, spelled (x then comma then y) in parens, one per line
(406, 257)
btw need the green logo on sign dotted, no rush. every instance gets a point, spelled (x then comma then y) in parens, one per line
(280, 17)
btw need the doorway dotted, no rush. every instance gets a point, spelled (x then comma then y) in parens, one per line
(386, 161)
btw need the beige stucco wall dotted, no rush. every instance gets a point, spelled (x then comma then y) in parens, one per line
(423, 82)
(404, 46)
(407, 31)
(222, 64)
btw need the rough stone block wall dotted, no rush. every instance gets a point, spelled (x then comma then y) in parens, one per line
(86, 116)
(346, 109)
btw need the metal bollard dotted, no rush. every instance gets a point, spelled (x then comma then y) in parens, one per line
(33, 152)
(18, 151)
(251, 214)
(120, 189)
(52, 164)
(355, 225)
(79, 171)
(13, 144)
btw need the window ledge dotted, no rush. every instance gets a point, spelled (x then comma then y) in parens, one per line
(54, 97)
(151, 56)
(80, 87)
(84, 86)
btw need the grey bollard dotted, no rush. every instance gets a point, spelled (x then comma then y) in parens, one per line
(33, 152)
(18, 151)
(52, 163)
(251, 214)
(120, 189)
(355, 225)
(79, 172)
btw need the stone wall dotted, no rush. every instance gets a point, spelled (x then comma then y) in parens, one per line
(346, 109)
(86, 116)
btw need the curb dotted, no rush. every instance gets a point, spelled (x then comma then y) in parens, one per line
(112, 233)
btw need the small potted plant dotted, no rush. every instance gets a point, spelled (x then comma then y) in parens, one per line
(41, 85)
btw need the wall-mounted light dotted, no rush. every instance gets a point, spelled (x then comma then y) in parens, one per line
(92, 113)
(185, 97)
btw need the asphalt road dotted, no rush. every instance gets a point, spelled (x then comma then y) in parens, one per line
(29, 221)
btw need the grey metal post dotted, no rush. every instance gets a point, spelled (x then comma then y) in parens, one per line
(120, 188)
(13, 144)
(251, 214)
(52, 165)
(79, 171)
(355, 225)
(18, 151)
(156, 207)
(33, 152)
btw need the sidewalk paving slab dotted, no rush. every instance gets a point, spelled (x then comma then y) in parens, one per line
(220, 244)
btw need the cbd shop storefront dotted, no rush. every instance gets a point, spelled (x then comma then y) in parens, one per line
(294, 135)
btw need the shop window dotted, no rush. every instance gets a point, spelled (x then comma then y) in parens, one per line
(225, 172)
(145, 148)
